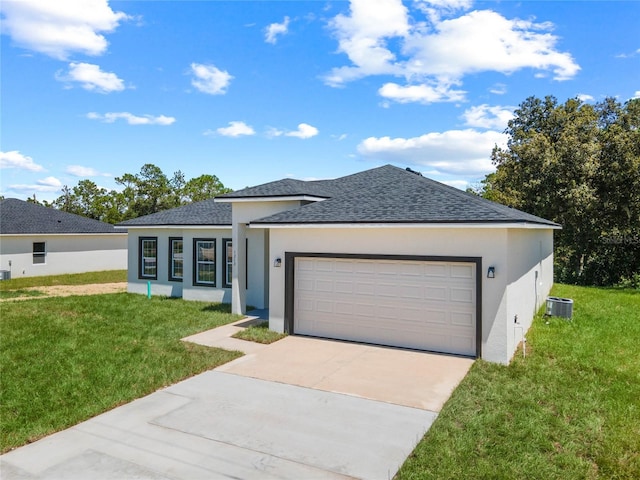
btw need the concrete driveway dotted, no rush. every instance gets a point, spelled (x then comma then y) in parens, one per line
(400, 377)
(298, 409)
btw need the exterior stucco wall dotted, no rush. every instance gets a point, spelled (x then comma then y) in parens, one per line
(530, 261)
(64, 254)
(489, 244)
(186, 289)
(254, 262)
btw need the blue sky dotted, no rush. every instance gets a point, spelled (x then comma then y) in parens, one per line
(255, 91)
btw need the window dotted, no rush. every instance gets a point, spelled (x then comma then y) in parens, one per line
(176, 261)
(204, 260)
(39, 252)
(228, 259)
(148, 258)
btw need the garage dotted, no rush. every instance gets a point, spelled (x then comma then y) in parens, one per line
(422, 303)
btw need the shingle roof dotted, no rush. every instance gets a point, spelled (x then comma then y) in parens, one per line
(390, 194)
(206, 212)
(286, 188)
(20, 217)
(385, 194)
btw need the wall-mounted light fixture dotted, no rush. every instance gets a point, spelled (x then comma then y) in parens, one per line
(277, 262)
(491, 273)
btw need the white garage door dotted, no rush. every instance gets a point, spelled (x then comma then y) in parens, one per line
(413, 304)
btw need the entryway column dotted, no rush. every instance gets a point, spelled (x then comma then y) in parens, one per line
(239, 270)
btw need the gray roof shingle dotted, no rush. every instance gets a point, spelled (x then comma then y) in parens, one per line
(385, 194)
(206, 212)
(286, 188)
(390, 194)
(19, 217)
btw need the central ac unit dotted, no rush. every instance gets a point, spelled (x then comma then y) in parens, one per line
(559, 307)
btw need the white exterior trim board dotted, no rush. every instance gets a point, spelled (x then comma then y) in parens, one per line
(283, 198)
(522, 225)
(176, 227)
(100, 234)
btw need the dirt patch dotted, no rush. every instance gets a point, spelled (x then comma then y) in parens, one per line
(68, 290)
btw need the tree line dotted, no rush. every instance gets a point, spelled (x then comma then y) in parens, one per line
(147, 192)
(577, 164)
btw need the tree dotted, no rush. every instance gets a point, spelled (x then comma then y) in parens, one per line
(146, 192)
(579, 165)
(203, 187)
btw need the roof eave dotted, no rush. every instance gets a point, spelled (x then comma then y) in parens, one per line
(271, 198)
(435, 225)
(176, 225)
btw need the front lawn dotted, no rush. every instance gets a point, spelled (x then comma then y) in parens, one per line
(107, 276)
(569, 410)
(67, 359)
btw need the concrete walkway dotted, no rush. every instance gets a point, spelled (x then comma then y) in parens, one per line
(217, 425)
(227, 423)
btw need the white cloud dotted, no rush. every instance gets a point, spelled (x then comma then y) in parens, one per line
(636, 94)
(235, 129)
(362, 36)
(210, 79)
(420, 93)
(275, 29)
(92, 78)
(304, 131)
(15, 159)
(80, 171)
(132, 119)
(498, 89)
(484, 116)
(61, 27)
(585, 97)
(433, 54)
(49, 184)
(459, 184)
(455, 152)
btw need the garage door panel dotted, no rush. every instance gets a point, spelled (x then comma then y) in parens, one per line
(462, 295)
(363, 288)
(463, 319)
(411, 304)
(435, 293)
(324, 286)
(435, 270)
(462, 271)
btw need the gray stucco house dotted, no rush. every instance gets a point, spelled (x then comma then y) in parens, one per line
(37, 240)
(385, 256)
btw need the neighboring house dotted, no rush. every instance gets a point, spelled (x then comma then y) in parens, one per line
(384, 256)
(37, 240)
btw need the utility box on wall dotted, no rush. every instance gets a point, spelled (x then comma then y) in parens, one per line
(5, 274)
(559, 307)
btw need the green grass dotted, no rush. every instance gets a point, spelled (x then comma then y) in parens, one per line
(108, 276)
(20, 293)
(67, 359)
(259, 333)
(569, 410)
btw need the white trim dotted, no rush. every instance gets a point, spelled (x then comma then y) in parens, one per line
(532, 226)
(176, 227)
(62, 234)
(270, 199)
